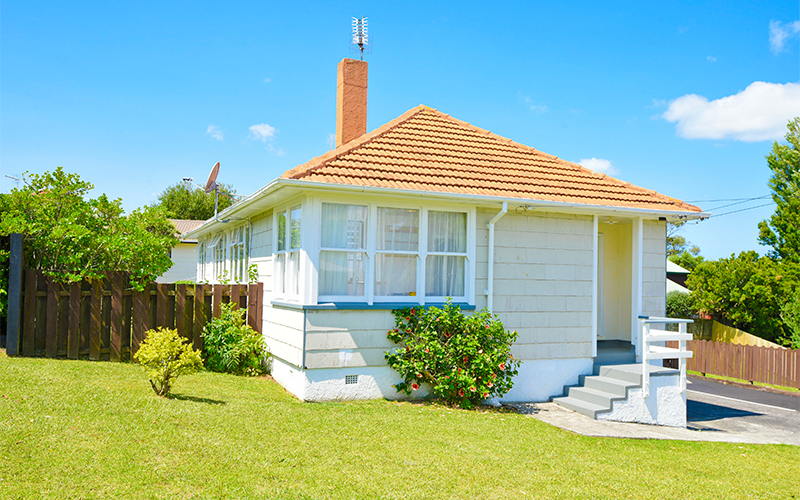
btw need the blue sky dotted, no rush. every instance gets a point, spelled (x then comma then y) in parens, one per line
(135, 96)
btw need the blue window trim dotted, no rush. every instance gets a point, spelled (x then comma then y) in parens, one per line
(363, 305)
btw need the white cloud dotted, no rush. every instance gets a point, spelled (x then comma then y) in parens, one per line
(267, 80)
(277, 151)
(262, 132)
(779, 33)
(758, 113)
(599, 165)
(215, 132)
(528, 102)
(711, 59)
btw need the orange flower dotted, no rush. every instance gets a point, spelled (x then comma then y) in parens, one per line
(502, 366)
(414, 386)
(461, 392)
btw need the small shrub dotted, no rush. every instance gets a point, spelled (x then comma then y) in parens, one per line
(679, 305)
(232, 346)
(465, 359)
(167, 355)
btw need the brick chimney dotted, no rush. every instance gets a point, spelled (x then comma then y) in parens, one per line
(351, 101)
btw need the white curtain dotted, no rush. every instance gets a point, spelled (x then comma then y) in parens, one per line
(395, 275)
(343, 226)
(444, 274)
(341, 273)
(398, 229)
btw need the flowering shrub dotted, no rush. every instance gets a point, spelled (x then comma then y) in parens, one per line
(466, 359)
(166, 355)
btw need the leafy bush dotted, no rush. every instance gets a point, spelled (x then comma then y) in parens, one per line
(465, 359)
(167, 355)
(746, 291)
(232, 346)
(790, 314)
(679, 305)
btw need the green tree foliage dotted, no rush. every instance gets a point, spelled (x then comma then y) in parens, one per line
(782, 230)
(185, 201)
(677, 244)
(746, 290)
(167, 356)
(790, 314)
(687, 260)
(465, 359)
(232, 346)
(70, 237)
(679, 305)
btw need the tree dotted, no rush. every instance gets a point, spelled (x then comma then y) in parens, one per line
(677, 244)
(782, 230)
(687, 260)
(71, 238)
(747, 291)
(185, 201)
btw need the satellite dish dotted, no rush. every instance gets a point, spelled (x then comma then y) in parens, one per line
(211, 183)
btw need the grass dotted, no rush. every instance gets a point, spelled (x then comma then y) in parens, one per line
(740, 381)
(78, 429)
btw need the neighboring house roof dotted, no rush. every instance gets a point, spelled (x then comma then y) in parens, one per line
(183, 226)
(427, 150)
(673, 287)
(675, 268)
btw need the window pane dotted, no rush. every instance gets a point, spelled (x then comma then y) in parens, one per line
(444, 276)
(344, 226)
(447, 232)
(398, 229)
(341, 273)
(281, 272)
(295, 237)
(395, 275)
(281, 231)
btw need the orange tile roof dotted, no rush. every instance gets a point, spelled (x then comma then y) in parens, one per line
(427, 150)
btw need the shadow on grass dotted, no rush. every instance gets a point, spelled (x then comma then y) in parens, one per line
(184, 397)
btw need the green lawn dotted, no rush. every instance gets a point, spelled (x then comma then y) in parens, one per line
(77, 429)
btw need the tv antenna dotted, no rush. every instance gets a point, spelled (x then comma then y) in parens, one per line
(360, 35)
(211, 185)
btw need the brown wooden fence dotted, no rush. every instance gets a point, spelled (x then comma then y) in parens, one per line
(745, 362)
(107, 320)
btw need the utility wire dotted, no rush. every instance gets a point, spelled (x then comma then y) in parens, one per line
(743, 210)
(720, 200)
(740, 202)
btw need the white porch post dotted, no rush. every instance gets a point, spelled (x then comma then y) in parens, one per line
(594, 285)
(637, 239)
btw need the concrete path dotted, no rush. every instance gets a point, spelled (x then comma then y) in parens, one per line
(715, 413)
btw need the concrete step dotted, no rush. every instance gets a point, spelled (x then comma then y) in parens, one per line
(610, 385)
(615, 357)
(594, 396)
(581, 406)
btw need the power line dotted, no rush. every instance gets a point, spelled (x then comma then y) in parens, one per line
(720, 200)
(740, 202)
(743, 210)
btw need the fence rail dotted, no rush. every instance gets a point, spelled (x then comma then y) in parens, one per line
(107, 319)
(746, 362)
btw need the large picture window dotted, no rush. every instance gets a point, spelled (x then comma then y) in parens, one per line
(343, 250)
(397, 252)
(447, 254)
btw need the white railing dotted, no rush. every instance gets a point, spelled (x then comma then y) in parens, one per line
(649, 336)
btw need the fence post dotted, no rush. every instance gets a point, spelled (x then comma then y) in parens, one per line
(14, 295)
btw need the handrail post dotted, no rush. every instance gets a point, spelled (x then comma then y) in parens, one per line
(645, 349)
(682, 360)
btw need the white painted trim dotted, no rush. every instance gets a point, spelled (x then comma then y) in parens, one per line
(595, 265)
(637, 241)
(601, 296)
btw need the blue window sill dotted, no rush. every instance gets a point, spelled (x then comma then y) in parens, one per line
(363, 305)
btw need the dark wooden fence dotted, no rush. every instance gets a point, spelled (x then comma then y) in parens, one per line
(745, 362)
(107, 320)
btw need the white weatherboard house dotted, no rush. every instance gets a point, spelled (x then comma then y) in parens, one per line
(184, 256)
(427, 207)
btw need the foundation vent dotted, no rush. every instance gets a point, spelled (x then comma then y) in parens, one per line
(350, 379)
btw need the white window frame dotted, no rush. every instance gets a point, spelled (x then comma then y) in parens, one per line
(422, 254)
(364, 251)
(288, 285)
(238, 243)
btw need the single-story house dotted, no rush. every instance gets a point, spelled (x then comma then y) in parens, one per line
(184, 255)
(427, 207)
(676, 277)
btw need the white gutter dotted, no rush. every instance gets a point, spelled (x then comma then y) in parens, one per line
(490, 225)
(583, 208)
